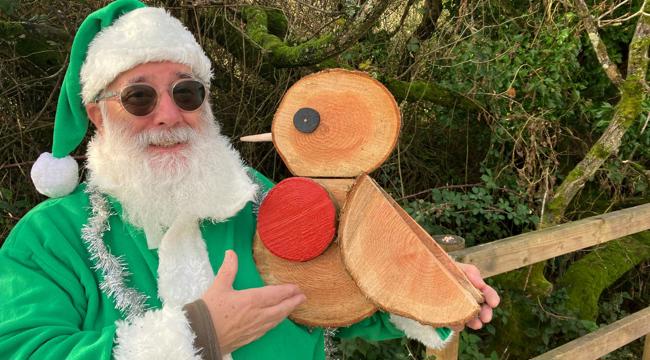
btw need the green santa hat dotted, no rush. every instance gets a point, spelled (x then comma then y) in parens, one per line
(110, 41)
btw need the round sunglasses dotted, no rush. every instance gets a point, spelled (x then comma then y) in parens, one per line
(140, 99)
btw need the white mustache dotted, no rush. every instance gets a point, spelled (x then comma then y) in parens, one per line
(165, 137)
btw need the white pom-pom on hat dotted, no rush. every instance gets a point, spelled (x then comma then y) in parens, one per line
(54, 177)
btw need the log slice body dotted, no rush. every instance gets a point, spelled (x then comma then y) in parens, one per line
(333, 299)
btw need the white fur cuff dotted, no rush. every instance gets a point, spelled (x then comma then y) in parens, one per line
(159, 334)
(425, 334)
(54, 177)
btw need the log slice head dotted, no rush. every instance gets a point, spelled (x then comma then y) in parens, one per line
(336, 123)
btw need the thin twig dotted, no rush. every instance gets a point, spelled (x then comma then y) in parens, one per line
(612, 10)
(557, 316)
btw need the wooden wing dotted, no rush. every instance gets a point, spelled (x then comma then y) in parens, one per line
(398, 265)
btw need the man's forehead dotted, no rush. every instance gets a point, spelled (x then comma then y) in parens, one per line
(153, 72)
(150, 77)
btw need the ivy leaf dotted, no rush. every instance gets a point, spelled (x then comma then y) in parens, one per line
(413, 45)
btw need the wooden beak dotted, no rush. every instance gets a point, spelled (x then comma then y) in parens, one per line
(257, 138)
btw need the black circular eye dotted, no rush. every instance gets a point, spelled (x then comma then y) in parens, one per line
(306, 120)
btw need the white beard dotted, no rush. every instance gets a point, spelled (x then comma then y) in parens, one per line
(206, 180)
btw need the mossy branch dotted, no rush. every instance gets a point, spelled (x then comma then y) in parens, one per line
(627, 110)
(588, 277)
(258, 48)
(282, 55)
(231, 37)
(422, 90)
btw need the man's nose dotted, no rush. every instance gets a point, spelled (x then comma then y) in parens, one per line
(166, 113)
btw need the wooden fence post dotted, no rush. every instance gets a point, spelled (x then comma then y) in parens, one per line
(450, 352)
(646, 348)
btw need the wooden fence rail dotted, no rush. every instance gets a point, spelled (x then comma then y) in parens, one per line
(511, 253)
(518, 251)
(604, 340)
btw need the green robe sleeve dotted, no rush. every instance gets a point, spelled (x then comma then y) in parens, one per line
(50, 306)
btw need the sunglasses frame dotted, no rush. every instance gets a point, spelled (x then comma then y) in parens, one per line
(118, 95)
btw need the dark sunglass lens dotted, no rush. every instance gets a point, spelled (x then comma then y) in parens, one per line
(189, 95)
(139, 99)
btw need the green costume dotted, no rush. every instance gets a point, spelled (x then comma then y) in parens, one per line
(52, 306)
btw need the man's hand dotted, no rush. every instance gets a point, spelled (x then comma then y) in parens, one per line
(491, 297)
(240, 317)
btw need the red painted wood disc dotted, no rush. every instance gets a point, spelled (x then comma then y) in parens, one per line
(297, 219)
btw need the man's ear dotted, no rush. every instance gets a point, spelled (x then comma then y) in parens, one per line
(95, 115)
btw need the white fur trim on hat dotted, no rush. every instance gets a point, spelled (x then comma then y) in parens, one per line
(55, 177)
(140, 36)
(425, 334)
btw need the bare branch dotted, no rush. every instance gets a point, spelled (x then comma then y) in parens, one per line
(407, 9)
(599, 46)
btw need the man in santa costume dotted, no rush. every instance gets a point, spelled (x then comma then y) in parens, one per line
(124, 264)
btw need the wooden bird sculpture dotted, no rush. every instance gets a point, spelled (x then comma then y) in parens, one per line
(337, 234)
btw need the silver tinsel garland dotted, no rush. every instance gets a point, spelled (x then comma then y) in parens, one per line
(331, 350)
(130, 302)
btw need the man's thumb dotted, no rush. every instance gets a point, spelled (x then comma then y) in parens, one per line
(228, 270)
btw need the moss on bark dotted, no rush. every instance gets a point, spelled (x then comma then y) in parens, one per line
(588, 277)
(279, 53)
(422, 90)
(530, 280)
(278, 24)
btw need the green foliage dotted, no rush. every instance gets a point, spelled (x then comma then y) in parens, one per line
(481, 214)
(8, 6)
(555, 324)
(469, 348)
